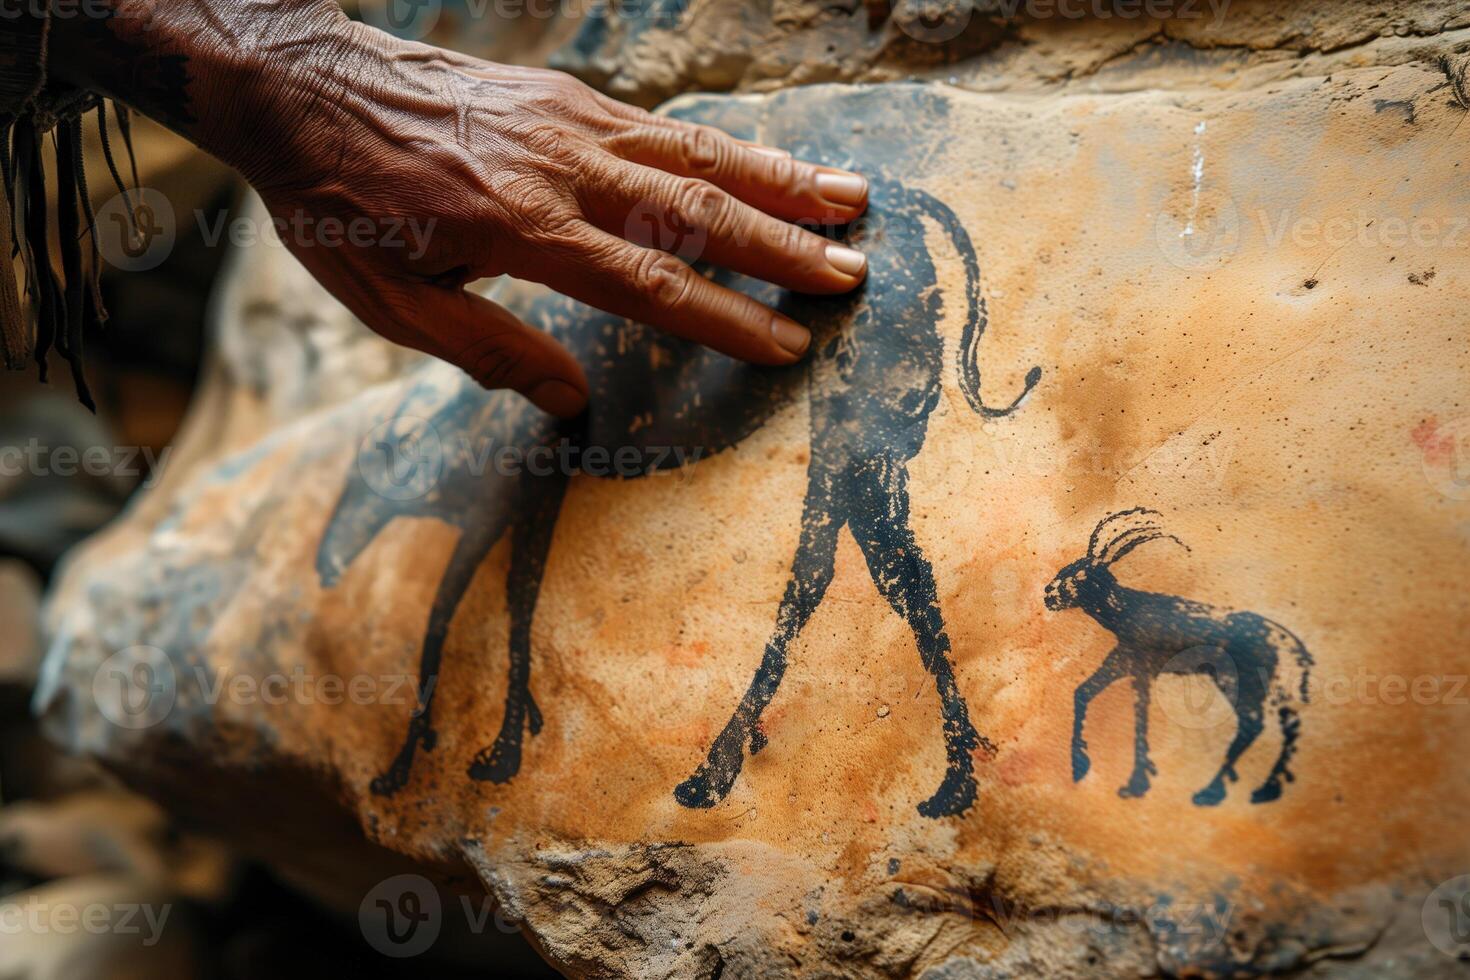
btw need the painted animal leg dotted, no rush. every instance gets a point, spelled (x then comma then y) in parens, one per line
(1248, 728)
(530, 543)
(471, 550)
(811, 573)
(1113, 667)
(1291, 724)
(879, 518)
(1142, 767)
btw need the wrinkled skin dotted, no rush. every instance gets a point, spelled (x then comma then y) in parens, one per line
(398, 172)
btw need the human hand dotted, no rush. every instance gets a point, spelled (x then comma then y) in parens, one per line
(484, 169)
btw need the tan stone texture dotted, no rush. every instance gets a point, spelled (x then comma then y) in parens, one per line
(1248, 304)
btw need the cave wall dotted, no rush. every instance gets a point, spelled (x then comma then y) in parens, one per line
(1228, 265)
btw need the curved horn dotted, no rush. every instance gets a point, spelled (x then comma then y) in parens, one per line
(1092, 542)
(1144, 536)
(1124, 536)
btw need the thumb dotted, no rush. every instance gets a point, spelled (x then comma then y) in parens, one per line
(493, 346)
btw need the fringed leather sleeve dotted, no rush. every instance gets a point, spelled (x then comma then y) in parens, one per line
(48, 308)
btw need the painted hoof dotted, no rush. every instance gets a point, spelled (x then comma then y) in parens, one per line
(1268, 792)
(390, 782)
(1134, 789)
(696, 792)
(1210, 795)
(711, 782)
(954, 796)
(1080, 765)
(1138, 783)
(499, 763)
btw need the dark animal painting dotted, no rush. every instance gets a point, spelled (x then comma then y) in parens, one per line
(1252, 660)
(873, 379)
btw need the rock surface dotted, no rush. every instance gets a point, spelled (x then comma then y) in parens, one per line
(1241, 307)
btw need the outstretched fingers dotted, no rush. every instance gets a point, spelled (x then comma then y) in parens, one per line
(696, 219)
(764, 177)
(498, 350)
(657, 288)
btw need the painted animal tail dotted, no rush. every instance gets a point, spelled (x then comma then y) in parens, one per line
(1291, 685)
(976, 318)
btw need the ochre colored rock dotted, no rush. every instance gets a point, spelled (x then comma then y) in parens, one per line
(1238, 321)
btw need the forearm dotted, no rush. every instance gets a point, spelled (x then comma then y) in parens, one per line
(516, 171)
(218, 72)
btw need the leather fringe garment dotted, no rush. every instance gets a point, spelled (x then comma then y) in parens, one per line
(43, 311)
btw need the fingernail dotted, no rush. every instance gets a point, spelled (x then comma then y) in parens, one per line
(792, 337)
(558, 398)
(770, 151)
(843, 190)
(848, 261)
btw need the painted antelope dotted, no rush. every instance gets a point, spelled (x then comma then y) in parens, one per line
(1251, 660)
(872, 381)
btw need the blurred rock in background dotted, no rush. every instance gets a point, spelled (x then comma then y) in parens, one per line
(96, 882)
